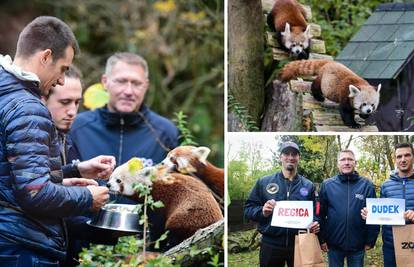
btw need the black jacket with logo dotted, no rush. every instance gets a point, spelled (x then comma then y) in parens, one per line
(276, 187)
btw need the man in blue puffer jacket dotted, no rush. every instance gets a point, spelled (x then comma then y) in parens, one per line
(343, 231)
(399, 185)
(33, 196)
(277, 244)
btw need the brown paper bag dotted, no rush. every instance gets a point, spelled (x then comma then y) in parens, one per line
(308, 252)
(404, 245)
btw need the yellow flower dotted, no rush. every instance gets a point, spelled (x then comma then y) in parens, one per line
(95, 96)
(134, 165)
(193, 17)
(165, 7)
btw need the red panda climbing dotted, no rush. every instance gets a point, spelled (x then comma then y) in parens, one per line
(339, 84)
(188, 203)
(193, 160)
(287, 19)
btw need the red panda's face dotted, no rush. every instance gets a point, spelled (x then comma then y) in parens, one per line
(296, 40)
(185, 159)
(365, 98)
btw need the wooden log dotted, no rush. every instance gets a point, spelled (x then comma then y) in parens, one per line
(307, 120)
(319, 56)
(203, 239)
(299, 86)
(317, 46)
(279, 54)
(272, 40)
(283, 111)
(315, 30)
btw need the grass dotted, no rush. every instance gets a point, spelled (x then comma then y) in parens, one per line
(373, 257)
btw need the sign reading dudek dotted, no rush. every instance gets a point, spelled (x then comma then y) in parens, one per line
(385, 211)
(293, 214)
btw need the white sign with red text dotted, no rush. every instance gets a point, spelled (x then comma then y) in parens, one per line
(293, 214)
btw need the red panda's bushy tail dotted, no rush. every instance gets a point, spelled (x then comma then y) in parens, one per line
(298, 68)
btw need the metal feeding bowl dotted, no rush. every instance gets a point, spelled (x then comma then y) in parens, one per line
(118, 217)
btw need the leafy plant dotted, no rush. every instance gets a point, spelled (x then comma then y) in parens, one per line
(182, 124)
(242, 113)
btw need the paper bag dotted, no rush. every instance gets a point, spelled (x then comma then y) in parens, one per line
(308, 252)
(404, 245)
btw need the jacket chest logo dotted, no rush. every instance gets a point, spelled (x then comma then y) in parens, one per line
(272, 188)
(304, 192)
(359, 196)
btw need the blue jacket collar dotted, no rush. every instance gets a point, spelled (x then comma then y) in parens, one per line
(115, 118)
(395, 177)
(349, 177)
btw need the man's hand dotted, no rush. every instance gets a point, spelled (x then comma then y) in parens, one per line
(367, 247)
(364, 213)
(97, 167)
(100, 195)
(268, 207)
(324, 247)
(314, 227)
(409, 215)
(78, 182)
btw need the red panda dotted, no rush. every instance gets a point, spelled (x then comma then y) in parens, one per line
(287, 19)
(188, 203)
(193, 160)
(339, 84)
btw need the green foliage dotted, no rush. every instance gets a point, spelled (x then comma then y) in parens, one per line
(242, 113)
(182, 125)
(182, 41)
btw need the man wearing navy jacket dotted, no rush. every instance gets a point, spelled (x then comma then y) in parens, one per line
(277, 244)
(126, 127)
(343, 232)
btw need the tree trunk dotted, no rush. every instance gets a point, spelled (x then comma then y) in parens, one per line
(284, 109)
(246, 78)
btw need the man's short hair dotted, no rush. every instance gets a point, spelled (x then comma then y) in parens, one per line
(346, 151)
(72, 72)
(129, 58)
(401, 145)
(46, 32)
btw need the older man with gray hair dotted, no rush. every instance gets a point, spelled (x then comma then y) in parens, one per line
(125, 127)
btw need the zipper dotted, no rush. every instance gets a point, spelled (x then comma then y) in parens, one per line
(287, 198)
(347, 211)
(121, 141)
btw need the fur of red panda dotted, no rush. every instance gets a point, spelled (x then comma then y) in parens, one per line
(193, 160)
(287, 19)
(339, 84)
(188, 203)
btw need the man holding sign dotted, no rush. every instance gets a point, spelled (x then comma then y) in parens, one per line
(399, 185)
(277, 245)
(343, 232)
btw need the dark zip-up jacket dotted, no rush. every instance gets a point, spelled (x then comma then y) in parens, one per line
(33, 206)
(145, 135)
(342, 197)
(299, 189)
(124, 135)
(397, 187)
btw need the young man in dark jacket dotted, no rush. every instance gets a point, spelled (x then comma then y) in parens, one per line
(277, 244)
(343, 232)
(33, 196)
(63, 103)
(399, 185)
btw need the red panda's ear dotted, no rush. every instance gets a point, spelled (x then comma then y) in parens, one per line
(378, 88)
(287, 29)
(307, 33)
(202, 153)
(353, 90)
